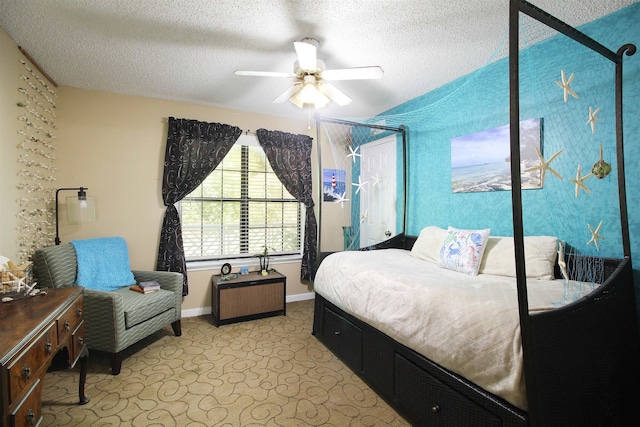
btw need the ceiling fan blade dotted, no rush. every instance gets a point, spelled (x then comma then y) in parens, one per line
(334, 94)
(263, 74)
(306, 55)
(287, 94)
(357, 73)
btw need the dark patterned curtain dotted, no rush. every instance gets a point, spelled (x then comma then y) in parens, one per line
(194, 149)
(290, 158)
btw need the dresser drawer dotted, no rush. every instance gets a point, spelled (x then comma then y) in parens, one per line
(421, 396)
(69, 319)
(78, 342)
(343, 338)
(24, 368)
(27, 412)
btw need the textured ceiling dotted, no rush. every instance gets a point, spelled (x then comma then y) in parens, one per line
(187, 50)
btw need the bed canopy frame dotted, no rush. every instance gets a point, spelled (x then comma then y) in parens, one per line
(399, 131)
(580, 360)
(535, 328)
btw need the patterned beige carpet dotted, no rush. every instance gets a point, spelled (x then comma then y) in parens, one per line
(267, 372)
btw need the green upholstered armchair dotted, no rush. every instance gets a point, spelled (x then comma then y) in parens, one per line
(114, 320)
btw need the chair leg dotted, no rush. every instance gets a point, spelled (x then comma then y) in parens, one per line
(116, 363)
(177, 328)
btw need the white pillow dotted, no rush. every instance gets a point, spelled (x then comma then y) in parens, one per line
(462, 250)
(540, 253)
(428, 243)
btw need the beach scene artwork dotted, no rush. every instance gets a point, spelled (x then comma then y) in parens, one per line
(334, 184)
(481, 161)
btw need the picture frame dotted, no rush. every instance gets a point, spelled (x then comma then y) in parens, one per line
(334, 184)
(480, 161)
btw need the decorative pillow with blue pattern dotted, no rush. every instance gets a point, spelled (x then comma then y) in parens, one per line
(462, 250)
(103, 263)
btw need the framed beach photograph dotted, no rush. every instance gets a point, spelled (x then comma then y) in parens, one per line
(334, 184)
(481, 161)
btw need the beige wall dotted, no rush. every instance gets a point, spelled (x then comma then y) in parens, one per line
(10, 69)
(114, 145)
(334, 216)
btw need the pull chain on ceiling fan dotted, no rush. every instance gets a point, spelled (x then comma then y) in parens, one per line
(311, 85)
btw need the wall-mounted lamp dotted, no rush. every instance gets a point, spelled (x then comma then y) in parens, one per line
(79, 209)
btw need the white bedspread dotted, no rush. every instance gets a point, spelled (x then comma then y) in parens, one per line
(468, 324)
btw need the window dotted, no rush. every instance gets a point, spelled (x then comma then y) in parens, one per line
(239, 209)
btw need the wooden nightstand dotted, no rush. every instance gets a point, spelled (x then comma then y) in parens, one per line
(247, 297)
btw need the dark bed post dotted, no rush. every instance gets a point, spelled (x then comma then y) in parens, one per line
(629, 49)
(516, 206)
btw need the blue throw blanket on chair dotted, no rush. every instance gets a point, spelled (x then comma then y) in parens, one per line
(103, 263)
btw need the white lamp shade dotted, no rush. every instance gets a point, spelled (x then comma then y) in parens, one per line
(81, 210)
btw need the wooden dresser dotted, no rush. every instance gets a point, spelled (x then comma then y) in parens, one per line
(32, 331)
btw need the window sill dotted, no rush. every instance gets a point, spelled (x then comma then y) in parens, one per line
(251, 262)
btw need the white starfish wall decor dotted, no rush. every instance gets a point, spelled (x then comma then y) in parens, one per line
(353, 153)
(595, 235)
(565, 85)
(593, 119)
(376, 180)
(544, 165)
(341, 199)
(360, 185)
(561, 263)
(364, 216)
(579, 181)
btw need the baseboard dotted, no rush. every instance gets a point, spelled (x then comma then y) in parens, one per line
(193, 312)
(301, 297)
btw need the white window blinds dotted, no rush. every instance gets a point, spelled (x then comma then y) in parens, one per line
(241, 208)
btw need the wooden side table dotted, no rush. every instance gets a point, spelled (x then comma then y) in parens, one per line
(246, 297)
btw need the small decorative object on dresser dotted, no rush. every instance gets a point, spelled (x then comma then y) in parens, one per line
(246, 297)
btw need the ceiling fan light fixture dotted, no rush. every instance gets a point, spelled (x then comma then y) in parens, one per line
(309, 93)
(322, 101)
(311, 87)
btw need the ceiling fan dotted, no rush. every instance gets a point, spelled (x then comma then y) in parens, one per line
(311, 85)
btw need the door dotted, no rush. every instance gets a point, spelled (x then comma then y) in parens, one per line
(379, 202)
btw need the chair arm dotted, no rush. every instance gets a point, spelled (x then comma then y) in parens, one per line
(169, 280)
(104, 319)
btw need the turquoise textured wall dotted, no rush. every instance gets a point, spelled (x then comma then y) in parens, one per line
(480, 101)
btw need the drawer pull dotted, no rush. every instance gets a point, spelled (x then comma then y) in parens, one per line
(80, 340)
(31, 417)
(48, 347)
(26, 372)
(78, 312)
(67, 325)
(336, 333)
(435, 409)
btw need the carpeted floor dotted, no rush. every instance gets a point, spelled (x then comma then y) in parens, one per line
(267, 372)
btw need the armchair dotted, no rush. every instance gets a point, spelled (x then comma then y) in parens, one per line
(117, 319)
